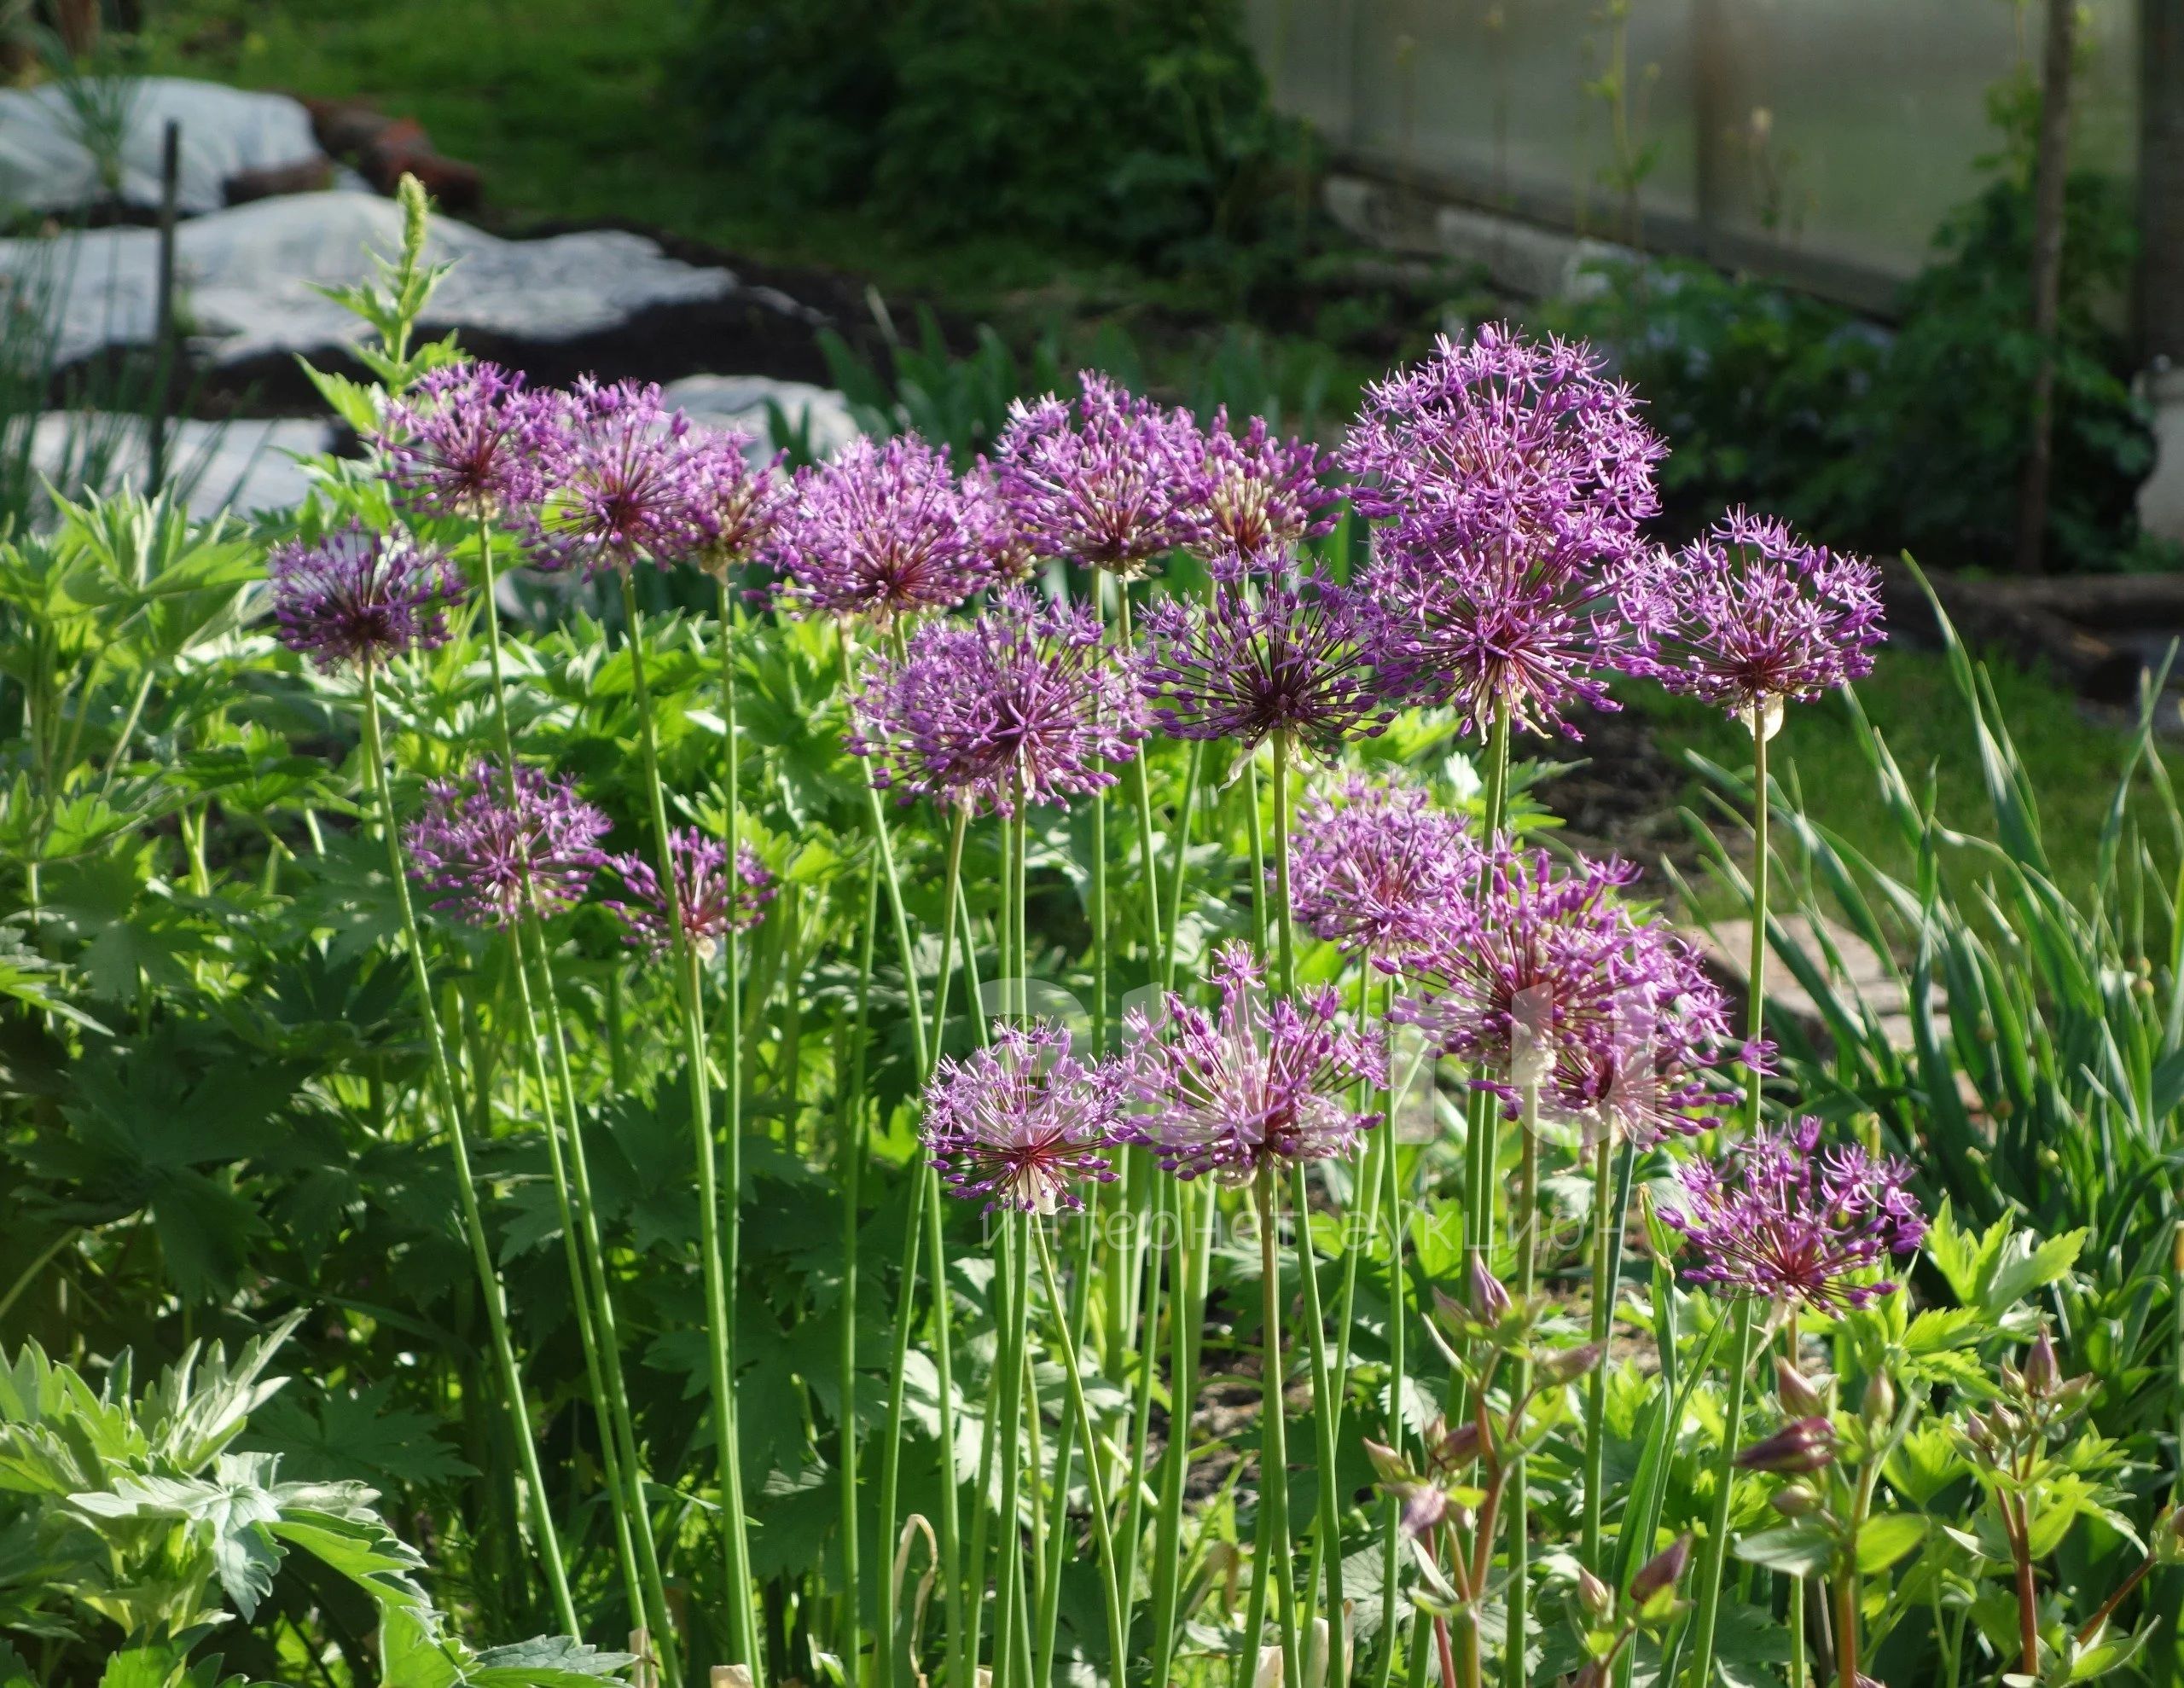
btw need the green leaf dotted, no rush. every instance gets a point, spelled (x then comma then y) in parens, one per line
(1888, 1538)
(548, 1661)
(356, 1434)
(1801, 1550)
(14, 1670)
(354, 401)
(140, 1668)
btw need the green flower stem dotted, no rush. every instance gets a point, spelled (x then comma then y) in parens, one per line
(1179, 860)
(1058, 1544)
(890, 1448)
(1398, 1321)
(1072, 1373)
(1717, 1546)
(934, 1039)
(1608, 1215)
(474, 1224)
(1098, 914)
(1526, 1228)
(1273, 1568)
(1145, 1259)
(850, 1152)
(1482, 1153)
(594, 1303)
(742, 1636)
(1756, 972)
(1257, 834)
(1010, 1413)
(1186, 1322)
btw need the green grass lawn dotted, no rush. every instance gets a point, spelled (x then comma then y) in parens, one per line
(2074, 760)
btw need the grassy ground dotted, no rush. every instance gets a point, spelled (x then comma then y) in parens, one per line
(2074, 758)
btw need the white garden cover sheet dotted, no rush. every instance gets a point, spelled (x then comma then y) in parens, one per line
(245, 465)
(245, 277)
(741, 401)
(45, 164)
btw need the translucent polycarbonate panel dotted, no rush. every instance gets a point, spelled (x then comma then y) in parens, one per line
(1852, 127)
(1842, 128)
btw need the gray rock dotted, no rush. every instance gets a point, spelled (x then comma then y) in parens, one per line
(741, 401)
(247, 277)
(242, 465)
(45, 163)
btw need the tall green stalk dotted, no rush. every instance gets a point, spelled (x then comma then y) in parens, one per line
(850, 1152)
(1481, 1149)
(1716, 1548)
(1185, 1324)
(1526, 1229)
(1272, 1569)
(591, 1296)
(1399, 1323)
(474, 1224)
(1756, 972)
(1117, 1619)
(743, 1644)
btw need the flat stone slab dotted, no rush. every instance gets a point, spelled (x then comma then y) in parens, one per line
(247, 277)
(1864, 975)
(47, 164)
(240, 465)
(750, 402)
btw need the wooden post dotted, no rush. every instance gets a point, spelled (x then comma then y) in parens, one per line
(2159, 312)
(2051, 172)
(163, 333)
(642, 1675)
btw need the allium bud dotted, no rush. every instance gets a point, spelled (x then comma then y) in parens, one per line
(1571, 1363)
(1592, 1595)
(1802, 1444)
(2041, 1373)
(1662, 1571)
(1489, 1301)
(1451, 1449)
(1797, 1393)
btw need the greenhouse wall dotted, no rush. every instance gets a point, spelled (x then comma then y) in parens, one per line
(1820, 140)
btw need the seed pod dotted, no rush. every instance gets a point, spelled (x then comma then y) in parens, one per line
(2041, 1373)
(1800, 1398)
(1795, 1500)
(1571, 1363)
(1881, 1399)
(1664, 1571)
(1801, 1445)
(1489, 1300)
(1592, 1595)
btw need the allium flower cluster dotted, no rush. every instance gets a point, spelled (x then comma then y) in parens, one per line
(1024, 1121)
(1021, 704)
(1778, 1216)
(499, 851)
(1259, 1082)
(1291, 656)
(883, 530)
(1512, 478)
(1261, 498)
(1529, 959)
(1372, 867)
(1639, 1072)
(626, 478)
(470, 440)
(713, 903)
(1109, 480)
(734, 505)
(353, 596)
(1750, 616)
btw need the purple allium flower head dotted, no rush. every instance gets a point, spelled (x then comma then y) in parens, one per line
(883, 530)
(1511, 477)
(1750, 616)
(1261, 498)
(713, 903)
(624, 479)
(1502, 433)
(1529, 959)
(470, 440)
(1023, 700)
(1372, 867)
(1778, 1216)
(734, 505)
(1291, 657)
(1261, 1081)
(354, 596)
(1639, 1070)
(494, 860)
(1109, 480)
(1023, 1122)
